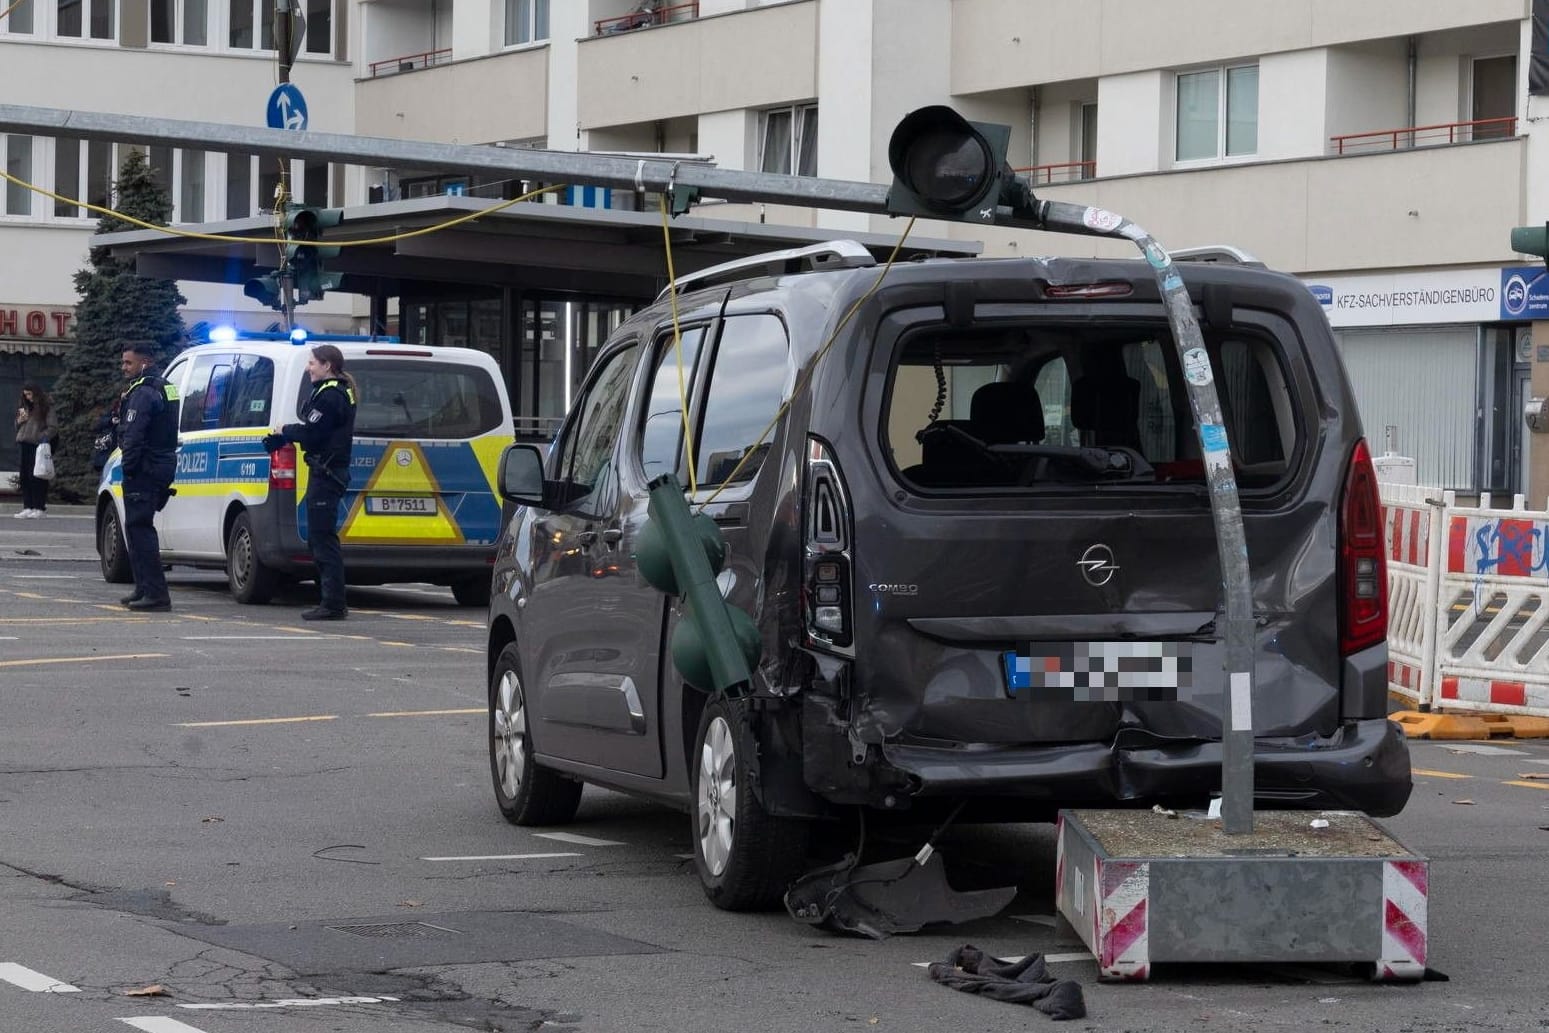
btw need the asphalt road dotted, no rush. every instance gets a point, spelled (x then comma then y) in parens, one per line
(289, 828)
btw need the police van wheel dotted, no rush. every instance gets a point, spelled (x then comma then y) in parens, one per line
(526, 793)
(113, 551)
(472, 591)
(746, 858)
(250, 581)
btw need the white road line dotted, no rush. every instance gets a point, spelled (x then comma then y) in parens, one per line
(498, 857)
(45, 577)
(27, 979)
(162, 1024)
(1488, 751)
(1048, 920)
(571, 837)
(1052, 959)
(294, 637)
(294, 1002)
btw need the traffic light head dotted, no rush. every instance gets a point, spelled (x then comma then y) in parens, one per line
(308, 224)
(303, 228)
(265, 290)
(946, 167)
(1531, 240)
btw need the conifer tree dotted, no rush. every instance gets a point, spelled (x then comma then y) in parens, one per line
(116, 306)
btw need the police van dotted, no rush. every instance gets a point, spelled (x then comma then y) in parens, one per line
(430, 426)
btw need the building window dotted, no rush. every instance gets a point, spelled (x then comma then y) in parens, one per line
(94, 18)
(180, 21)
(251, 26)
(527, 21)
(319, 27)
(1214, 122)
(20, 19)
(190, 193)
(17, 151)
(314, 184)
(77, 163)
(1087, 151)
(788, 140)
(239, 186)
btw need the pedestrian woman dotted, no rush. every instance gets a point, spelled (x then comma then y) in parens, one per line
(34, 426)
(326, 434)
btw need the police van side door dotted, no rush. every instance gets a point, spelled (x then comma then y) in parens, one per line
(202, 396)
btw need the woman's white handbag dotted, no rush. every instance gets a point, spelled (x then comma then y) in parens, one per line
(43, 464)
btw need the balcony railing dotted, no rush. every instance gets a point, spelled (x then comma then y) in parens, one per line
(1059, 172)
(409, 62)
(647, 18)
(1437, 135)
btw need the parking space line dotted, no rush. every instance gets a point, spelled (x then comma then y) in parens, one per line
(37, 982)
(161, 1024)
(1438, 774)
(571, 837)
(258, 721)
(500, 857)
(81, 659)
(1528, 785)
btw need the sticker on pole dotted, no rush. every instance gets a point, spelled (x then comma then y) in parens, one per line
(1101, 220)
(287, 108)
(1196, 367)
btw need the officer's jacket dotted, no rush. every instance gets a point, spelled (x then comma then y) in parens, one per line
(327, 428)
(147, 428)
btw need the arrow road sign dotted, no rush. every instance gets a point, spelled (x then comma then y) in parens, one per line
(287, 108)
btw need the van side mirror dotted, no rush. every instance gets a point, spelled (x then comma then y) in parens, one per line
(521, 476)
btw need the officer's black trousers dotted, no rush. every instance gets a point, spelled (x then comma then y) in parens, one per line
(322, 502)
(142, 497)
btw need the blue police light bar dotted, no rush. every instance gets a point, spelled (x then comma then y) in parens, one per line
(298, 336)
(226, 334)
(222, 333)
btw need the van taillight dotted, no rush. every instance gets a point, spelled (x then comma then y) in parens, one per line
(826, 590)
(282, 468)
(1363, 572)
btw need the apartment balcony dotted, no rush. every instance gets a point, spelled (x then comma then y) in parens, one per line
(1384, 210)
(500, 97)
(700, 65)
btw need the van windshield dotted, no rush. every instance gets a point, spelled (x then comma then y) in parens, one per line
(398, 398)
(1053, 405)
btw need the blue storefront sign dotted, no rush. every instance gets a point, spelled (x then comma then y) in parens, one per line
(1524, 292)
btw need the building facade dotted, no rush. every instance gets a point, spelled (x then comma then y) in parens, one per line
(1381, 151)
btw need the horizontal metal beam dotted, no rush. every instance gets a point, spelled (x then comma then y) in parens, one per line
(544, 166)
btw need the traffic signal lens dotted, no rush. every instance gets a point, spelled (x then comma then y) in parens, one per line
(948, 168)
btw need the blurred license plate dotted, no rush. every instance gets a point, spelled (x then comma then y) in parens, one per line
(1099, 672)
(401, 505)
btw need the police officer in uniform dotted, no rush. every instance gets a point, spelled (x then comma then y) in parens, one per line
(326, 434)
(147, 435)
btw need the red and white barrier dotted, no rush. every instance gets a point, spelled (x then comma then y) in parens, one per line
(1405, 896)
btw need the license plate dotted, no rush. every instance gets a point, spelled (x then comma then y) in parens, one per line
(401, 505)
(1099, 672)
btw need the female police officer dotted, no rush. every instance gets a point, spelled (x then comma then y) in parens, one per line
(326, 433)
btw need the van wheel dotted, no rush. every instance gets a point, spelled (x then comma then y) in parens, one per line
(473, 591)
(250, 580)
(526, 793)
(113, 551)
(746, 859)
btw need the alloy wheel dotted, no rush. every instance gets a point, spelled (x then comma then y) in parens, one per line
(510, 734)
(716, 803)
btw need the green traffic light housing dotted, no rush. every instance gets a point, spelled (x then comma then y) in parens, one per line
(265, 290)
(1531, 240)
(946, 167)
(303, 229)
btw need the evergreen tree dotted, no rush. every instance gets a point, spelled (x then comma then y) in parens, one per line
(116, 306)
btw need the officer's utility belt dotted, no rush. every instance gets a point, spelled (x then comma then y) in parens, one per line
(321, 468)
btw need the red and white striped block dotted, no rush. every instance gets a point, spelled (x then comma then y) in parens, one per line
(1404, 676)
(1120, 924)
(1409, 534)
(1529, 695)
(1405, 891)
(1504, 546)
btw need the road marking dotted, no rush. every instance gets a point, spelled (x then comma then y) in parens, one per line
(500, 857)
(45, 577)
(292, 1002)
(1489, 751)
(27, 979)
(257, 721)
(162, 1024)
(1528, 785)
(76, 620)
(82, 659)
(295, 637)
(571, 837)
(1052, 959)
(461, 649)
(1438, 774)
(427, 713)
(1048, 920)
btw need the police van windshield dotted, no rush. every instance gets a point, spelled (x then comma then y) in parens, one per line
(407, 399)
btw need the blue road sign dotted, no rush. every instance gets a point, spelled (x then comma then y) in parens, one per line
(287, 108)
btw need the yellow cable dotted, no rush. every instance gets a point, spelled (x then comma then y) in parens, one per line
(13, 7)
(229, 239)
(677, 344)
(817, 359)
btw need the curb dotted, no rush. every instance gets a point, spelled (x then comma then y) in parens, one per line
(1434, 725)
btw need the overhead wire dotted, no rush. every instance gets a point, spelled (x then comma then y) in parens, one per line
(13, 7)
(677, 344)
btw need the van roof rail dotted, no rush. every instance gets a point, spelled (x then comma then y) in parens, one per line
(1215, 253)
(832, 254)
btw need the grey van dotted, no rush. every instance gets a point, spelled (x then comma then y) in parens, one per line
(965, 507)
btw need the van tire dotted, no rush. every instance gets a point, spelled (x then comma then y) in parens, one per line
(112, 550)
(473, 591)
(251, 581)
(753, 856)
(526, 792)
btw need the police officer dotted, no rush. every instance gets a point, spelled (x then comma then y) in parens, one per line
(326, 434)
(147, 434)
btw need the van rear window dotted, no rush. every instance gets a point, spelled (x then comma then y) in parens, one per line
(1068, 405)
(406, 399)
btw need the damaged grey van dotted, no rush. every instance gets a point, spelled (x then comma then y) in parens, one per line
(972, 527)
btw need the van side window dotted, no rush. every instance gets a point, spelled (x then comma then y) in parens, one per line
(247, 402)
(661, 435)
(747, 386)
(207, 386)
(586, 450)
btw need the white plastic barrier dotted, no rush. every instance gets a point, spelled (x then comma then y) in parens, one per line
(1468, 602)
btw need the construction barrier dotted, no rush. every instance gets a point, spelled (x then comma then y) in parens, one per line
(1468, 608)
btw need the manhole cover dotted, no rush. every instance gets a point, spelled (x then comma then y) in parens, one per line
(398, 930)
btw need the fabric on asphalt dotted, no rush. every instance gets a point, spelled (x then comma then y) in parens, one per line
(1027, 981)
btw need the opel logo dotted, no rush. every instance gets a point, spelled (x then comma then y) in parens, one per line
(1097, 565)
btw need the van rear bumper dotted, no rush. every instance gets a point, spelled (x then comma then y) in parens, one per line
(1363, 766)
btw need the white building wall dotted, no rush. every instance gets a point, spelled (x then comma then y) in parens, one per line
(478, 28)
(1293, 98)
(1367, 88)
(1134, 122)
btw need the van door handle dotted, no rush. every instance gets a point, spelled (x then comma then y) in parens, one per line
(612, 536)
(734, 515)
(587, 538)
